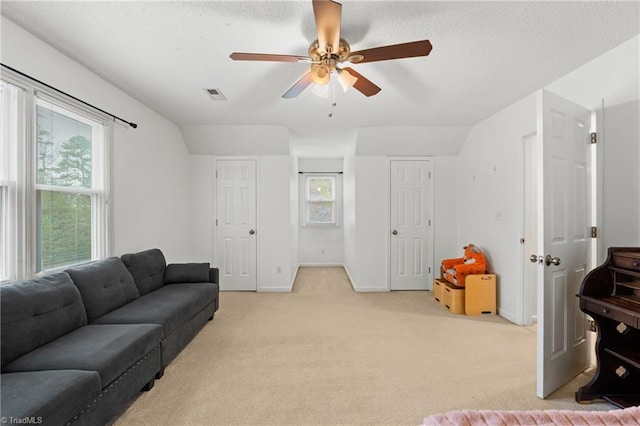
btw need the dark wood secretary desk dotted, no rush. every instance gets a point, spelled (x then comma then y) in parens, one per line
(610, 294)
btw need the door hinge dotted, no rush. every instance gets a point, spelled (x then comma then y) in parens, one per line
(594, 232)
(429, 222)
(429, 269)
(216, 174)
(216, 222)
(594, 137)
(429, 175)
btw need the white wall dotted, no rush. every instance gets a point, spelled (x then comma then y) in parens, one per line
(489, 178)
(489, 191)
(446, 202)
(411, 140)
(612, 77)
(236, 140)
(151, 186)
(369, 264)
(610, 85)
(294, 216)
(202, 219)
(276, 261)
(274, 224)
(349, 215)
(621, 180)
(367, 222)
(323, 246)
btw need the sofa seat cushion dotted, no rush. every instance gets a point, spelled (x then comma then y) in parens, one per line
(49, 397)
(108, 349)
(169, 306)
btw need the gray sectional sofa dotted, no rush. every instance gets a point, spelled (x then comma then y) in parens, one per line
(78, 346)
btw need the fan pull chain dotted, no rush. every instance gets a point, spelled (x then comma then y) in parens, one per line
(332, 95)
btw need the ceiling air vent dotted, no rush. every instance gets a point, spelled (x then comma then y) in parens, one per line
(216, 94)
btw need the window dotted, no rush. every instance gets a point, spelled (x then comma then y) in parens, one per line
(321, 200)
(53, 183)
(8, 121)
(67, 190)
(4, 239)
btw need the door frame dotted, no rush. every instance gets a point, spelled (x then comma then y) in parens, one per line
(527, 312)
(214, 210)
(430, 209)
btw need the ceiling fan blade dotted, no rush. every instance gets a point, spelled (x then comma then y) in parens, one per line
(395, 51)
(362, 84)
(328, 14)
(239, 56)
(300, 85)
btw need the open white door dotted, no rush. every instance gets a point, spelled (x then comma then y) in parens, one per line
(236, 224)
(564, 229)
(411, 204)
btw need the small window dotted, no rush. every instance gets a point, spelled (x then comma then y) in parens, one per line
(321, 200)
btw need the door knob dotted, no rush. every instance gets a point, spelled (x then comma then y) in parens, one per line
(549, 260)
(394, 232)
(251, 232)
(535, 259)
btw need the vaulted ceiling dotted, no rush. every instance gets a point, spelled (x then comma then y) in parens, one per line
(486, 55)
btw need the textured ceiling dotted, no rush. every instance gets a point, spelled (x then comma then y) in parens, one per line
(486, 55)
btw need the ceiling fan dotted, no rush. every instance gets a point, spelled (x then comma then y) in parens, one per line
(329, 51)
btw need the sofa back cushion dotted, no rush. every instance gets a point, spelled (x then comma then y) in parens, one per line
(147, 268)
(105, 285)
(37, 311)
(186, 273)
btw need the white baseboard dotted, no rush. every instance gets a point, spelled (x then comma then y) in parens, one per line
(346, 270)
(320, 265)
(274, 290)
(508, 316)
(371, 290)
(293, 280)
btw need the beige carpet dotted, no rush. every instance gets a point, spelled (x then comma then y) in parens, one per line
(326, 355)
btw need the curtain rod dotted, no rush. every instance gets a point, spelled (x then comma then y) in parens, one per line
(133, 125)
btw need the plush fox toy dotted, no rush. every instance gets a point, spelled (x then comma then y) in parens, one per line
(456, 270)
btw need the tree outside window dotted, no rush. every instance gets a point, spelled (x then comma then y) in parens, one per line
(64, 189)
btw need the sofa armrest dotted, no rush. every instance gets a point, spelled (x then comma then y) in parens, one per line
(214, 275)
(176, 273)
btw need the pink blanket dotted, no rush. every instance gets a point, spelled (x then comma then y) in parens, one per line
(627, 417)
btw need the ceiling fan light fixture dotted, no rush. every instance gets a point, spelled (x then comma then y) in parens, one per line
(320, 73)
(329, 51)
(346, 80)
(321, 91)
